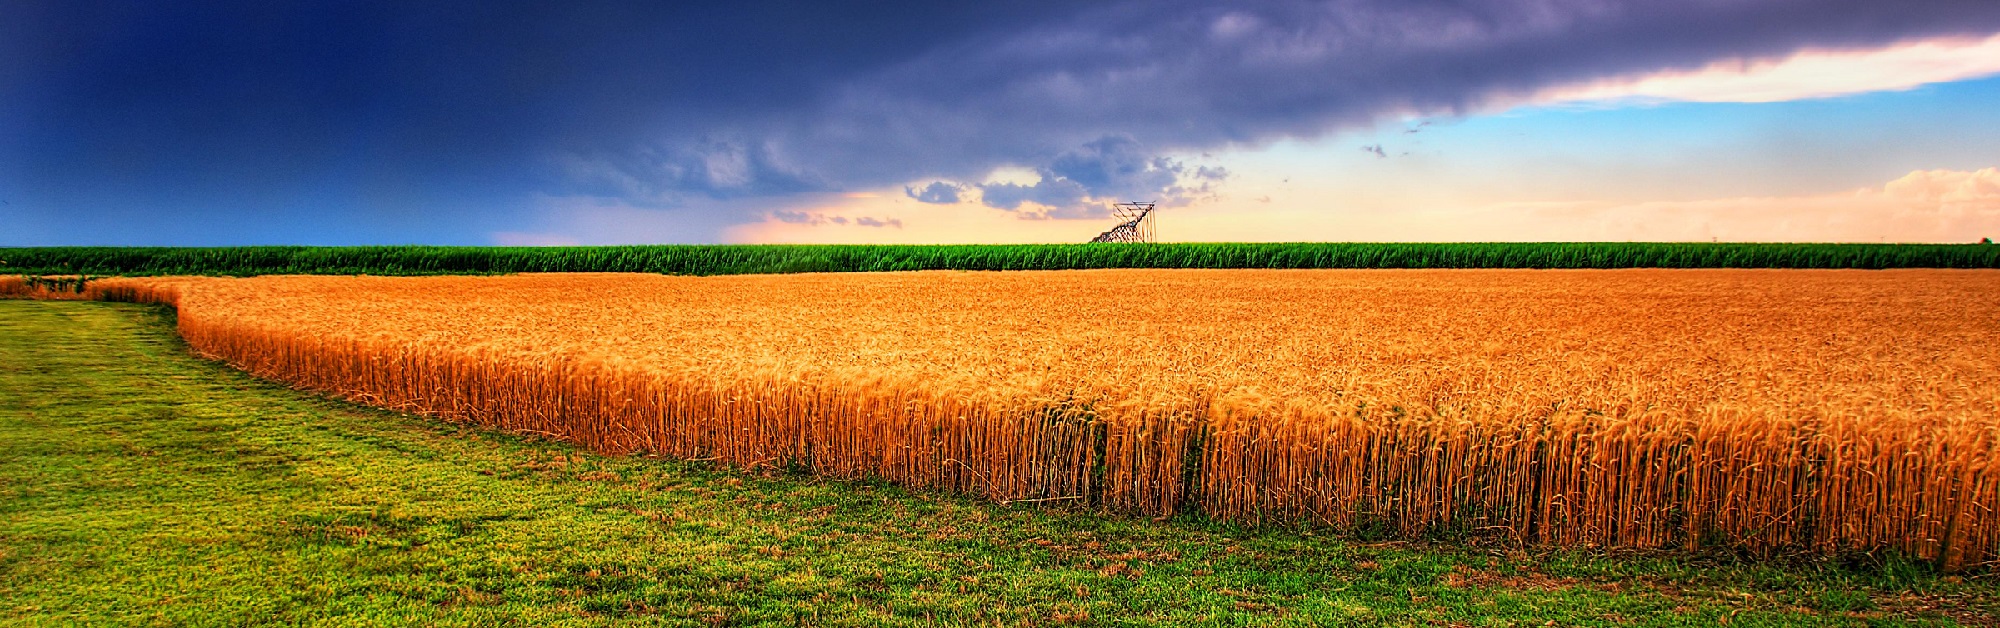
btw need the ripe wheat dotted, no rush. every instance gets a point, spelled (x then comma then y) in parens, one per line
(1764, 410)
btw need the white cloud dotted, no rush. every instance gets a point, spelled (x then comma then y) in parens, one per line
(1811, 73)
(1949, 191)
(1922, 206)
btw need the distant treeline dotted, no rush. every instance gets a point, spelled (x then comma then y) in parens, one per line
(742, 259)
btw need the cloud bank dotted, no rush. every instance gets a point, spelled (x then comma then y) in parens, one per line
(1922, 206)
(1084, 182)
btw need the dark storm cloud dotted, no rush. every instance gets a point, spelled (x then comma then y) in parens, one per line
(438, 121)
(1178, 77)
(1047, 191)
(1083, 182)
(937, 193)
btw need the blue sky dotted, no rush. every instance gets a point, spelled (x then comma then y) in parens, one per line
(604, 122)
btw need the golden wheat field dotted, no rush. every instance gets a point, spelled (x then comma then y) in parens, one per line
(1770, 411)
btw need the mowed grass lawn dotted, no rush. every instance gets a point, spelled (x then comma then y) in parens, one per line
(139, 485)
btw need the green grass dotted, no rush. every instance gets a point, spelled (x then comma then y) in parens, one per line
(739, 259)
(139, 485)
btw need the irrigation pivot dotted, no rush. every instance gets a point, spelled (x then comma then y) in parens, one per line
(1137, 225)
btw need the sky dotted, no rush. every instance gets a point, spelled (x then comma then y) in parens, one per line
(528, 123)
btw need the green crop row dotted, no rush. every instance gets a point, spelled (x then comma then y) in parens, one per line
(742, 259)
